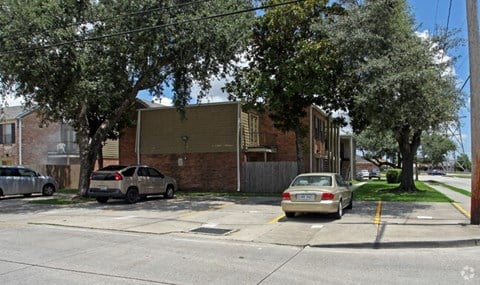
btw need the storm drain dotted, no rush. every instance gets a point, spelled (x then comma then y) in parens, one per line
(212, 231)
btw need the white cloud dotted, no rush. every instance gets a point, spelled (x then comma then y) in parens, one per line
(11, 100)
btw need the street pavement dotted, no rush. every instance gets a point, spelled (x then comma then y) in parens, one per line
(370, 224)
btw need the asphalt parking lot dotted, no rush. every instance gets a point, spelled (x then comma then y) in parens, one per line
(257, 219)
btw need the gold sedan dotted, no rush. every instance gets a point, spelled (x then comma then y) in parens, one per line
(317, 193)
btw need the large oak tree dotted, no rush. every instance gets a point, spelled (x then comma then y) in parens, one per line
(292, 65)
(400, 81)
(84, 62)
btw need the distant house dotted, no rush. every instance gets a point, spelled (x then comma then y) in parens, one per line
(362, 163)
(221, 147)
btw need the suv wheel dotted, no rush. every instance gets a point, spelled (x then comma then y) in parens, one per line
(132, 196)
(169, 193)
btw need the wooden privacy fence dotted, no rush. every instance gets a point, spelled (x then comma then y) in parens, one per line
(66, 175)
(271, 177)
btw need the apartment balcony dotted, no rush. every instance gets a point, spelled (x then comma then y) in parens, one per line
(259, 142)
(63, 153)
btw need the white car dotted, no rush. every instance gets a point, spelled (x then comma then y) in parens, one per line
(130, 183)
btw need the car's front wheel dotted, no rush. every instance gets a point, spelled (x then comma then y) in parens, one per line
(132, 196)
(169, 193)
(48, 190)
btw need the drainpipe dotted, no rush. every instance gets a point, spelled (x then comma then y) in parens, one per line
(20, 158)
(352, 159)
(137, 141)
(339, 155)
(239, 121)
(311, 138)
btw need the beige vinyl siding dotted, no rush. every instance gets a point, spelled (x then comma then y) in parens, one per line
(209, 128)
(245, 131)
(110, 149)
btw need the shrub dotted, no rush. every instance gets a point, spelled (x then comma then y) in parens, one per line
(393, 175)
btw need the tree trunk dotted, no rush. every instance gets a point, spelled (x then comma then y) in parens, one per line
(408, 148)
(299, 138)
(100, 157)
(88, 155)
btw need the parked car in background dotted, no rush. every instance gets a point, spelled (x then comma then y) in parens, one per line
(130, 183)
(363, 174)
(375, 173)
(318, 193)
(436, 172)
(20, 180)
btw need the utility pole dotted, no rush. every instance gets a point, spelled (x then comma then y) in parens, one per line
(474, 57)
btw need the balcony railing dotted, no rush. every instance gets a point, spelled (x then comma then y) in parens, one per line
(63, 149)
(258, 140)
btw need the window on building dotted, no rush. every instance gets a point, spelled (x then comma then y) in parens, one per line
(319, 128)
(254, 130)
(7, 134)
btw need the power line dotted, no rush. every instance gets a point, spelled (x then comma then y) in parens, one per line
(449, 12)
(465, 83)
(123, 15)
(96, 38)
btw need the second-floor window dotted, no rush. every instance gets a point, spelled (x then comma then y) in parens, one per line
(319, 129)
(7, 133)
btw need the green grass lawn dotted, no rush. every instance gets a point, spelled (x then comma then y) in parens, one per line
(381, 190)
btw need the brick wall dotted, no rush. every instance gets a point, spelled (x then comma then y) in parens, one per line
(200, 171)
(284, 142)
(37, 139)
(126, 146)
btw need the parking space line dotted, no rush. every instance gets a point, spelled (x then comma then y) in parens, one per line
(461, 209)
(276, 219)
(378, 213)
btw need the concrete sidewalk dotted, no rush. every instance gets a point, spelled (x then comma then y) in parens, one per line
(370, 224)
(260, 219)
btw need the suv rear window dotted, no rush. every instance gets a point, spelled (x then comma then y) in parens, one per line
(128, 172)
(103, 176)
(112, 168)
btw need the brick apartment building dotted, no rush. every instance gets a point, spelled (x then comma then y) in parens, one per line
(212, 147)
(49, 148)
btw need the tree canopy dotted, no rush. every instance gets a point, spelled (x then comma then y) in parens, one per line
(84, 62)
(399, 80)
(435, 147)
(379, 149)
(292, 65)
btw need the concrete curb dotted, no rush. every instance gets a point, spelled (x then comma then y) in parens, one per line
(404, 244)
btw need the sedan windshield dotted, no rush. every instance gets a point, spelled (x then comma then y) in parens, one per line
(313, 181)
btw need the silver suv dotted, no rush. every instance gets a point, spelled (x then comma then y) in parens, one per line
(20, 180)
(130, 183)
